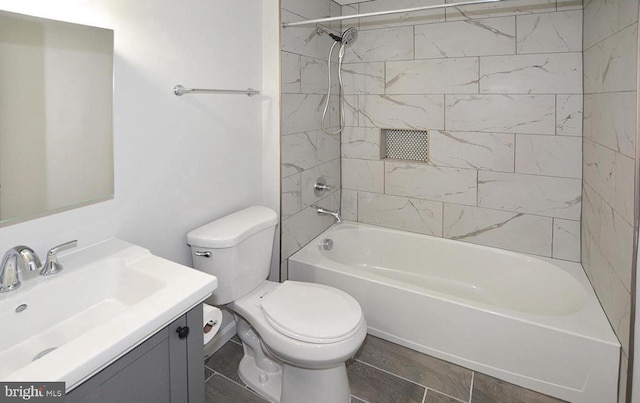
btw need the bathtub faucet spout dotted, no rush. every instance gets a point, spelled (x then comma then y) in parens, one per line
(335, 214)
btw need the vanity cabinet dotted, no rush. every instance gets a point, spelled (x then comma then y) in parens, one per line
(167, 367)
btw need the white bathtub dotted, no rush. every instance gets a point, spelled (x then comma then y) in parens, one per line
(530, 321)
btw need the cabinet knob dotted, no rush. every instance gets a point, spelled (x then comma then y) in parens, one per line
(183, 332)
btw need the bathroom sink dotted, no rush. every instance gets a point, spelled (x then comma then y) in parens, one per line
(109, 298)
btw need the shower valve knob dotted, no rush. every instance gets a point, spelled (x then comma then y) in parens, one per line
(320, 187)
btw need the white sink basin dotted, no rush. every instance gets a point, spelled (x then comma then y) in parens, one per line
(109, 298)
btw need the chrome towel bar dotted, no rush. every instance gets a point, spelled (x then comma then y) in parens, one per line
(179, 90)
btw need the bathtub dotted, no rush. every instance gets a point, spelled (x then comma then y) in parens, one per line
(531, 321)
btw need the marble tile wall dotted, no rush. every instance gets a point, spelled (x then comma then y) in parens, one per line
(610, 42)
(499, 89)
(307, 152)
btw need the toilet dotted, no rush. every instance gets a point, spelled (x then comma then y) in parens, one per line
(296, 336)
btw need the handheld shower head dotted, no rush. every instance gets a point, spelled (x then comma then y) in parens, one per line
(349, 36)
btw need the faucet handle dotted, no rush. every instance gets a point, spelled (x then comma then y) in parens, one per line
(51, 265)
(321, 186)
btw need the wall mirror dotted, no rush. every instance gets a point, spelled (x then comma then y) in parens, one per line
(56, 101)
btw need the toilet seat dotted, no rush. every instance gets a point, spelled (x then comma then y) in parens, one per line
(312, 313)
(310, 355)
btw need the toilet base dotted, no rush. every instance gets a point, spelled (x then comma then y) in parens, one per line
(266, 384)
(281, 382)
(315, 385)
(294, 384)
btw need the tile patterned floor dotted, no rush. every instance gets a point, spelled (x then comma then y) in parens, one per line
(381, 372)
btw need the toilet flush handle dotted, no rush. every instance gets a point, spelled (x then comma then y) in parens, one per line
(203, 254)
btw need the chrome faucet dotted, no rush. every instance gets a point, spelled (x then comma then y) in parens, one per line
(51, 265)
(17, 259)
(335, 214)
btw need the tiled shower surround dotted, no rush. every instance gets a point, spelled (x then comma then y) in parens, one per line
(610, 132)
(499, 89)
(307, 152)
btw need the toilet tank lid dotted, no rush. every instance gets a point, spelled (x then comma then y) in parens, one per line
(232, 229)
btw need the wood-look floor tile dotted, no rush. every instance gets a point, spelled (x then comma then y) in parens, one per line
(226, 360)
(431, 372)
(376, 386)
(435, 397)
(487, 389)
(221, 390)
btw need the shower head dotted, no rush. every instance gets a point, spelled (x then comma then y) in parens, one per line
(349, 36)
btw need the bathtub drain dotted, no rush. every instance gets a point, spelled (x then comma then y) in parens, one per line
(326, 244)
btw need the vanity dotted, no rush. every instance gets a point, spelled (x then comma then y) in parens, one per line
(167, 367)
(117, 324)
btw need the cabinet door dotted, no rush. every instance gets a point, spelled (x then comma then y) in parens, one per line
(195, 355)
(178, 375)
(141, 376)
(166, 368)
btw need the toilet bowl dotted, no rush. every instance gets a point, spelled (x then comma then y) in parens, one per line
(305, 355)
(296, 336)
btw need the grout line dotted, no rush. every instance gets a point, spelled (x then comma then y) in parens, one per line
(515, 36)
(608, 37)
(359, 398)
(555, 115)
(478, 188)
(235, 383)
(254, 392)
(473, 376)
(391, 373)
(444, 107)
(227, 378)
(479, 73)
(515, 153)
(424, 397)
(413, 37)
(213, 373)
(443, 394)
(442, 211)
(553, 227)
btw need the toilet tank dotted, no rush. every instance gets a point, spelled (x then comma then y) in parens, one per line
(236, 249)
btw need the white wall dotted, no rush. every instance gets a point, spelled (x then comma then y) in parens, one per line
(179, 161)
(271, 118)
